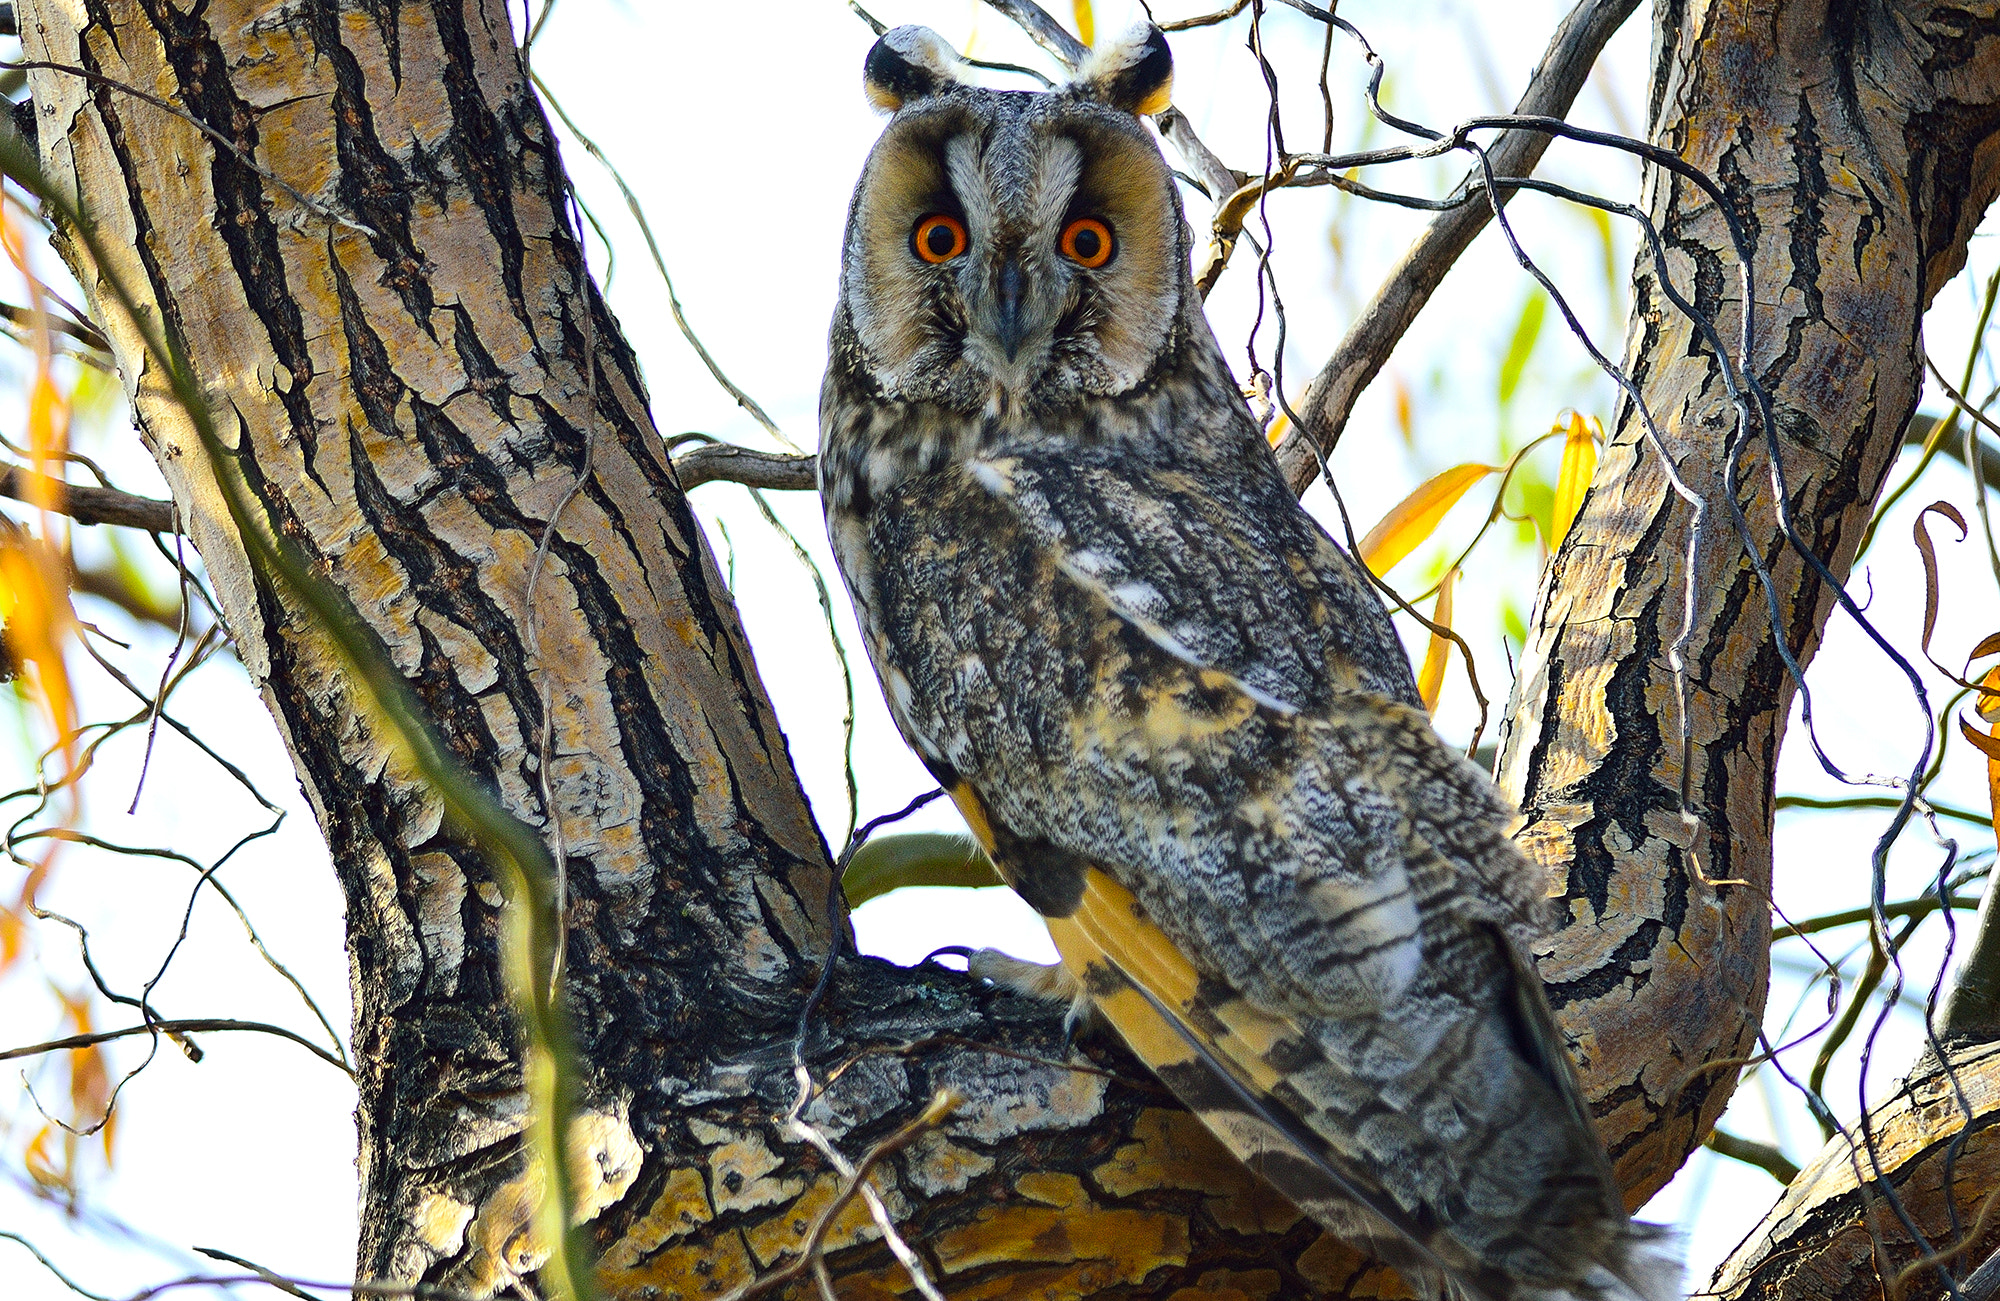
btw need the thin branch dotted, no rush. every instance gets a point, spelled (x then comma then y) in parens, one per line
(33, 1250)
(1330, 399)
(1043, 29)
(812, 1256)
(87, 505)
(216, 1253)
(82, 331)
(1765, 1156)
(1206, 20)
(1877, 802)
(1923, 907)
(632, 204)
(174, 1030)
(728, 463)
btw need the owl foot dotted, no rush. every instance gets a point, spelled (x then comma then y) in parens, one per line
(1051, 982)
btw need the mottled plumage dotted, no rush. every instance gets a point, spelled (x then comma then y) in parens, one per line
(1171, 708)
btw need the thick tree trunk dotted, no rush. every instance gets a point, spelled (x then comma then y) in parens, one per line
(1855, 143)
(413, 406)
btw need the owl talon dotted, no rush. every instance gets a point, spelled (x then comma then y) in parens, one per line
(1031, 979)
(1052, 982)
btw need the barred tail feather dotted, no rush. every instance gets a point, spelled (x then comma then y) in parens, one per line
(1655, 1264)
(1269, 1090)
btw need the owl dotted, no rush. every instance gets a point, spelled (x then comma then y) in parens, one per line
(1171, 709)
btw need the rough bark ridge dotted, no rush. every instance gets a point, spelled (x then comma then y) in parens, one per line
(412, 407)
(1853, 142)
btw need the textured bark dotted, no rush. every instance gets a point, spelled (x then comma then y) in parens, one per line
(1855, 144)
(1835, 1234)
(412, 408)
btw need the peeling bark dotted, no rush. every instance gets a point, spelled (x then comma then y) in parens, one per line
(413, 406)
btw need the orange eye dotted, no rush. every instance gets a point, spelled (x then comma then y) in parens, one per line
(938, 238)
(1087, 242)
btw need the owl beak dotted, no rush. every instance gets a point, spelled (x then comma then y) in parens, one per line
(1008, 327)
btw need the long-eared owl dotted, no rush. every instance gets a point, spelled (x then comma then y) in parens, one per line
(1170, 708)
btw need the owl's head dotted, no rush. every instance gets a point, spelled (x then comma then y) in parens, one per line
(1024, 248)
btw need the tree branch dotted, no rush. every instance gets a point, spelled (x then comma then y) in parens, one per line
(1765, 1156)
(174, 1030)
(728, 463)
(1330, 398)
(1834, 1233)
(87, 505)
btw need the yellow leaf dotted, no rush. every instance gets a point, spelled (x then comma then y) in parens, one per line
(38, 623)
(1430, 679)
(1991, 749)
(1988, 705)
(1416, 517)
(1086, 26)
(1579, 465)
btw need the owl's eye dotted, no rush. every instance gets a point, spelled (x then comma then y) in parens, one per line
(938, 238)
(1087, 242)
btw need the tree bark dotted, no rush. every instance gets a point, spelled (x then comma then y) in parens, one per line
(1855, 144)
(414, 404)
(412, 407)
(1835, 1233)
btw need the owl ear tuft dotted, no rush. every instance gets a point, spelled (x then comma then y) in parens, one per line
(906, 64)
(1134, 72)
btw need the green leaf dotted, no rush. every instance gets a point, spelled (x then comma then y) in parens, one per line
(915, 858)
(1522, 345)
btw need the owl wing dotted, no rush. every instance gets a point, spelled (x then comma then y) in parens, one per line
(1216, 560)
(1292, 900)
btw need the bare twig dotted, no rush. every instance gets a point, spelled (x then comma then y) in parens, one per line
(1765, 1156)
(174, 1029)
(1206, 20)
(275, 1280)
(812, 1253)
(638, 212)
(1923, 907)
(728, 463)
(1043, 29)
(87, 505)
(1571, 54)
(36, 1252)
(82, 331)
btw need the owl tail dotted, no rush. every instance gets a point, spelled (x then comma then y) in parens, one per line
(1653, 1268)
(1648, 1268)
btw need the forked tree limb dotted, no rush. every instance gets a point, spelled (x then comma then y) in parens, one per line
(1857, 162)
(414, 408)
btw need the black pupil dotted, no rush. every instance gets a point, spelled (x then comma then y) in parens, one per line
(1088, 244)
(940, 240)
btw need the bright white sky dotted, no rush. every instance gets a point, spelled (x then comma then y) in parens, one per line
(743, 146)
